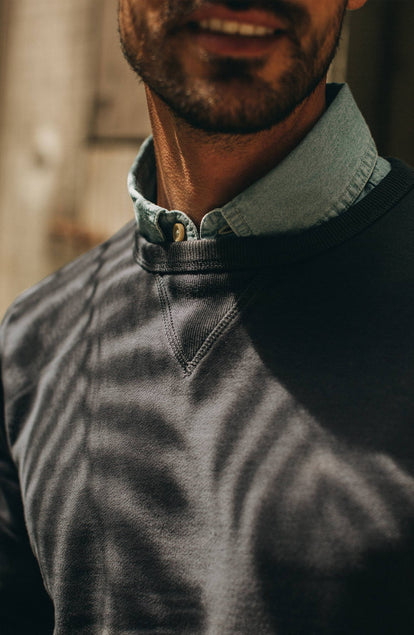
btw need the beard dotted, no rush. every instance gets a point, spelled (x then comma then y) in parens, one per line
(233, 98)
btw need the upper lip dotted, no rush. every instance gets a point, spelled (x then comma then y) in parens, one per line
(255, 17)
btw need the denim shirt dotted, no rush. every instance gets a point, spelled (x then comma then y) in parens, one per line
(333, 167)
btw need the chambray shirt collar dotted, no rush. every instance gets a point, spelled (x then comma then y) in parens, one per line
(320, 178)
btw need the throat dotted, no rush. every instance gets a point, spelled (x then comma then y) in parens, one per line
(199, 171)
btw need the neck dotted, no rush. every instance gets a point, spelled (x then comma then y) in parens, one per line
(198, 171)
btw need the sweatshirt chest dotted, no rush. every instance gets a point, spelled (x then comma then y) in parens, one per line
(264, 434)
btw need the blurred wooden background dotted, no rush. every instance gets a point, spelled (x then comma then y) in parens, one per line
(72, 117)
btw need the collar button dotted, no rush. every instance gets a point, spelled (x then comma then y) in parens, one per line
(178, 232)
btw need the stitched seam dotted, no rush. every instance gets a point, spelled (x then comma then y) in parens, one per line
(209, 265)
(350, 192)
(169, 324)
(237, 221)
(189, 366)
(226, 320)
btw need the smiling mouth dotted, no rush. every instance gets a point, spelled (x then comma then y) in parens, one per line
(233, 38)
(232, 27)
(219, 31)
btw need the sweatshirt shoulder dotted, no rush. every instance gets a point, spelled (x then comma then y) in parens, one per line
(54, 303)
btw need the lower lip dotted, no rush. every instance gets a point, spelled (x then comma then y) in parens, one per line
(236, 45)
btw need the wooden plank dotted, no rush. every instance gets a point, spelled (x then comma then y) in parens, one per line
(46, 103)
(106, 205)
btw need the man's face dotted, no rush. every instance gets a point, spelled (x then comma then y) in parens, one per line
(225, 82)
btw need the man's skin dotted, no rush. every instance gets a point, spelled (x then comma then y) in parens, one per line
(226, 109)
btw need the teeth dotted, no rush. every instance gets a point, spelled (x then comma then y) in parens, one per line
(235, 28)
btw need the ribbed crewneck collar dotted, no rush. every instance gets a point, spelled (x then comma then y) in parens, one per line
(245, 253)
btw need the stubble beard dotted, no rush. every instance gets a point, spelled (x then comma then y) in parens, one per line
(250, 104)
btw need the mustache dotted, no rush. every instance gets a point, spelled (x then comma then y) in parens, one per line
(296, 16)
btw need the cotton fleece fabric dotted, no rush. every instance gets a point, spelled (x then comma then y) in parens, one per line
(215, 437)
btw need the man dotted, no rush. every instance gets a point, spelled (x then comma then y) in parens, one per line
(208, 419)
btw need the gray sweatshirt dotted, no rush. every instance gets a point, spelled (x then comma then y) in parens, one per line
(215, 437)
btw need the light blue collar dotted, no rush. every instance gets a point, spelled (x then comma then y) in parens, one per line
(321, 177)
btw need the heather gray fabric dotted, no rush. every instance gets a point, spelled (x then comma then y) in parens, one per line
(216, 437)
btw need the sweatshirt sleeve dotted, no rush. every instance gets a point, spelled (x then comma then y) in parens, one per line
(25, 606)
